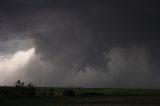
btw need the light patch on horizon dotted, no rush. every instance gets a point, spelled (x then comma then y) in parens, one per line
(11, 64)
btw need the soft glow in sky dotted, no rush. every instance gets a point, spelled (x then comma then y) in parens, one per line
(10, 64)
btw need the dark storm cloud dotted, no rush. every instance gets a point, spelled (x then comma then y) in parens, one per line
(79, 35)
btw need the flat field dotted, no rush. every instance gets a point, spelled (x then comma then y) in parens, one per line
(87, 97)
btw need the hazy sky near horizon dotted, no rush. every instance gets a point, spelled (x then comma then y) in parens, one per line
(80, 43)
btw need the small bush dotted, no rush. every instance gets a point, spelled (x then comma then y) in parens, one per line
(68, 93)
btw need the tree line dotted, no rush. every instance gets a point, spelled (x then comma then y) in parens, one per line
(20, 89)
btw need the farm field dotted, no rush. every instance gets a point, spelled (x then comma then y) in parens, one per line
(86, 97)
(78, 101)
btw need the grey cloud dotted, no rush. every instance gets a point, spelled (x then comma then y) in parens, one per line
(76, 36)
(127, 68)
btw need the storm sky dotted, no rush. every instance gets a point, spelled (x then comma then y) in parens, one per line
(80, 43)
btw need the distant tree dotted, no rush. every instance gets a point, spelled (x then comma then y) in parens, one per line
(22, 84)
(30, 85)
(31, 89)
(18, 83)
(22, 90)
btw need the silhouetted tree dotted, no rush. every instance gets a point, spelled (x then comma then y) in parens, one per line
(22, 90)
(18, 83)
(22, 84)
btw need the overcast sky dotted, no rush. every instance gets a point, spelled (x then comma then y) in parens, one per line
(80, 43)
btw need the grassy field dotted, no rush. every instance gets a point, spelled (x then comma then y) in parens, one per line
(110, 97)
(105, 91)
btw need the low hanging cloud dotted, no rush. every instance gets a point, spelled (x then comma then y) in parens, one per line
(126, 68)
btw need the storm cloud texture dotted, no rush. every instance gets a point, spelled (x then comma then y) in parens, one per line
(81, 43)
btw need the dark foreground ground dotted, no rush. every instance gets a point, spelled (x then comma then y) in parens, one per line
(86, 97)
(81, 101)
